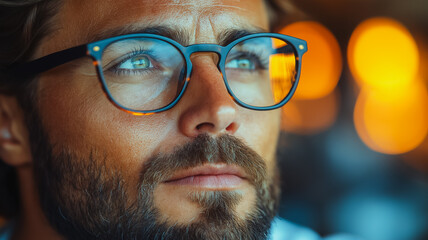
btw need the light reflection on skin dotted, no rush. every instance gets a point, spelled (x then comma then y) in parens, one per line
(76, 113)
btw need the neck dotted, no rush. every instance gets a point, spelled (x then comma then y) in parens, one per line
(32, 223)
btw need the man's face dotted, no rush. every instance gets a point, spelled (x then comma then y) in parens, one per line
(178, 168)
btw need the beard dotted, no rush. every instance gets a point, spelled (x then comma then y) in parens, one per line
(87, 199)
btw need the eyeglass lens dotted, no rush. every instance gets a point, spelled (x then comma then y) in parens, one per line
(146, 74)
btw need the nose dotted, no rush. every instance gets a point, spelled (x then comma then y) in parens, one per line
(206, 106)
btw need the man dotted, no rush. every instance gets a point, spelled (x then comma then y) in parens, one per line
(146, 129)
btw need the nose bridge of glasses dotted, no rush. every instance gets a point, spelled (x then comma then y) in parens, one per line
(204, 48)
(212, 50)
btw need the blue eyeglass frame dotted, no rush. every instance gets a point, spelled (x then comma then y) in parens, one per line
(95, 50)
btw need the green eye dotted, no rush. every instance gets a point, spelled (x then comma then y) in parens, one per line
(241, 63)
(140, 62)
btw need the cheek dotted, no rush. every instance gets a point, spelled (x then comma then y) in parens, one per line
(77, 116)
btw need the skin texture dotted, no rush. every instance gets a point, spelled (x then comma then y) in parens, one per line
(77, 116)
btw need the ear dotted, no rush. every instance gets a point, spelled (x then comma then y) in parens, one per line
(14, 143)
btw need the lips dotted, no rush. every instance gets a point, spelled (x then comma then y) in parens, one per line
(211, 176)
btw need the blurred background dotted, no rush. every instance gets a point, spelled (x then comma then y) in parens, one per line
(354, 148)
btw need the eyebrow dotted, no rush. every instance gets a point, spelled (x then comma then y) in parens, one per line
(177, 34)
(229, 35)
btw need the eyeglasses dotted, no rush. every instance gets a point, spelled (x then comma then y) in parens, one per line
(146, 73)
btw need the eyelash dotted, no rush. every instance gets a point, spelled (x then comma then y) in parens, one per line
(138, 51)
(254, 57)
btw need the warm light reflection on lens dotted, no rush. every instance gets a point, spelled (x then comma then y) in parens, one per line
(381, 51)
(282, 71)
(322, 64)
(278, 43)
(310, 116)
(393, 120)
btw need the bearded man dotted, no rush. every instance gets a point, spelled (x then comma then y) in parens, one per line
(143, 119)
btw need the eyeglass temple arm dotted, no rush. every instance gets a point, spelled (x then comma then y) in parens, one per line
(30, 69)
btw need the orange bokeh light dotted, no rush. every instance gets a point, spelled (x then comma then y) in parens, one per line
(310, 116)
(393, 120)
(391, 113)
(382, 51)
(322, 64)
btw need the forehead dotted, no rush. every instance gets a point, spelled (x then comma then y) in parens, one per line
(202, 20)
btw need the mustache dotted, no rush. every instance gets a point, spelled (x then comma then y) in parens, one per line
(202, 150)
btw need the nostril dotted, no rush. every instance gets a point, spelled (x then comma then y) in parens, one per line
(205, 126)
(232, 127)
